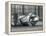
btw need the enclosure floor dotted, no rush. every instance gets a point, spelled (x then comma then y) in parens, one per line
(38, 27)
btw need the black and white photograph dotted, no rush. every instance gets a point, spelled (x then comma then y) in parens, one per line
(26, 17)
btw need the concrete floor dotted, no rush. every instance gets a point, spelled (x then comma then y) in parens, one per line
(39, 26)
